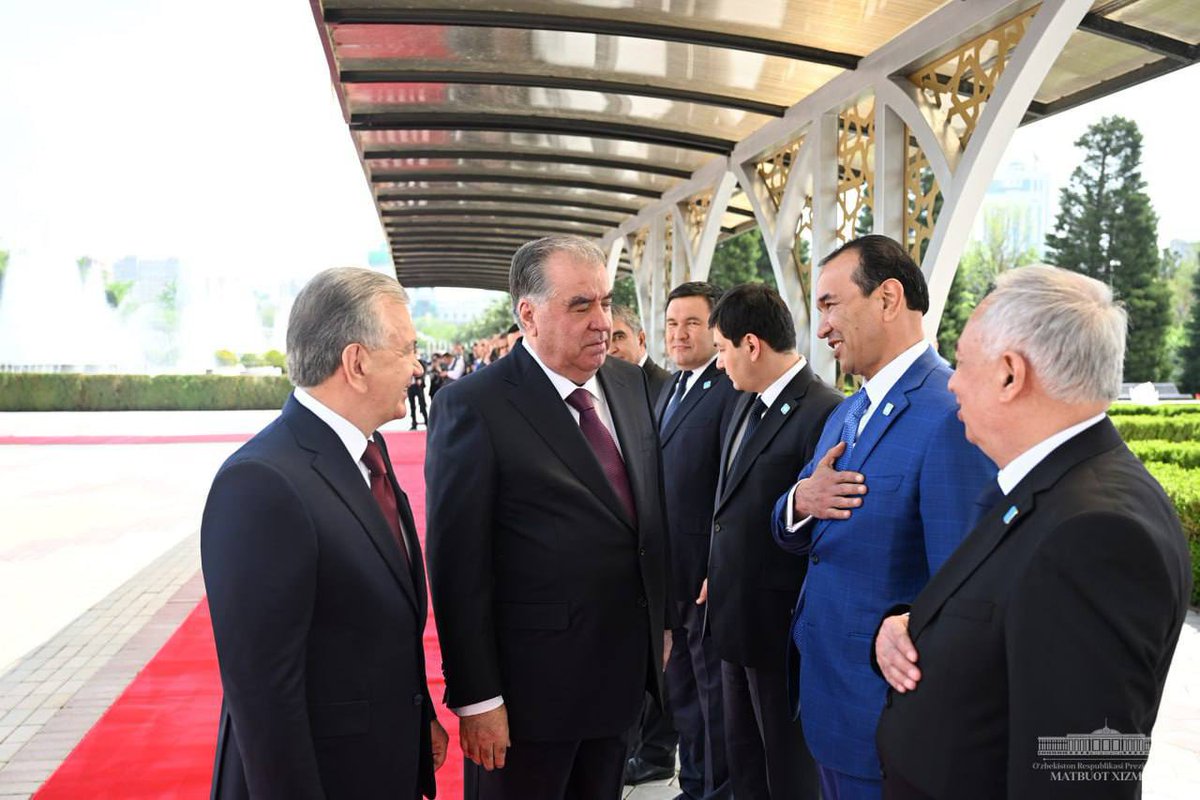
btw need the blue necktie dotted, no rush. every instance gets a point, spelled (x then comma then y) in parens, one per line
(676, 398)
(856, 406)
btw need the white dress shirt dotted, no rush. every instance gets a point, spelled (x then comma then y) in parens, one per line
(1022, 465)
(695, 376)
(877, 388)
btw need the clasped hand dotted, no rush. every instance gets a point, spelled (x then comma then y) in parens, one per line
(829, 493)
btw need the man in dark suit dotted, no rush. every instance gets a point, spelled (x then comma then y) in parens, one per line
(899, 442)
(313, 569)
(1060, 612)
(547, 542)
(653, 740)
(416, 397)
(692, 417)
(752, 587)
(628, 343)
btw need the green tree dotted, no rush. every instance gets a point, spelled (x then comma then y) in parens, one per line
(494, 319)
(252, 360)
(1189, 379)
(741, 259)
(998, 250)
(625, 292)
(225, 358)
(3, 269)
(115, 292)
(274, 358)
(1107, 229)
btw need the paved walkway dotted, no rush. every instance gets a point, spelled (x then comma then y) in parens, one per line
(99, 564)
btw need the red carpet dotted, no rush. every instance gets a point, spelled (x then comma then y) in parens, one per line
(159, 739)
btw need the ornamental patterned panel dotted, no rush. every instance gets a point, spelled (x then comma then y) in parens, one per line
(637, 249)
(922, 198)
(774, 168)
(856, 157)
(695, 212)
(955, 88)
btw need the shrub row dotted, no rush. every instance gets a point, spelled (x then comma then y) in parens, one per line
(1183, 454)
(1183, 487)
(1173, 410)
(72, 392)
(1178, 428)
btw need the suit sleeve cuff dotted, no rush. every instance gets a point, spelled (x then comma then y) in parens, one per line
(479, 708)
(789, 525)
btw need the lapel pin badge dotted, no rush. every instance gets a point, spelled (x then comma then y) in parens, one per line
(786, 408)
(706, 384)
(1010, 514)
(887, 410)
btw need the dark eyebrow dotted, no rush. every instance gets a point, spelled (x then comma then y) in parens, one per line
(825, 298)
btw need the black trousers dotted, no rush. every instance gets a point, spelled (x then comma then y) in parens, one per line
(768, 758)
(591, 769)
(694, 695)
(416, 397)
(653, 739)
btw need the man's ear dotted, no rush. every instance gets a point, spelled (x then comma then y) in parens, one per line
(525, 314)
(891, 294)
(642, 339)
(1015, 375)
(355, 362)
(753, 346)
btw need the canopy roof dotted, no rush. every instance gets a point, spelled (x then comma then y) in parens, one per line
(483, 125)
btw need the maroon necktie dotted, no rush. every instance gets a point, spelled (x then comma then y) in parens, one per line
(381, 487)
(604, 447)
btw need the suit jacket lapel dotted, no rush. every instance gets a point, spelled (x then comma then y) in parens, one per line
(779, 412)
(891, 407)
(333, 463)
(535, 398)
(690, 400)
(736, 423)
(1016, 508)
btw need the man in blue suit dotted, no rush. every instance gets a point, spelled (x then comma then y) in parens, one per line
(888, 496)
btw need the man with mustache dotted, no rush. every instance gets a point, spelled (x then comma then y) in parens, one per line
(547, 541)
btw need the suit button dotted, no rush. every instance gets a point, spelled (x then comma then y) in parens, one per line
(641, 601)
(717, 527)
(418, 699)
(641, 551)
(816, 559)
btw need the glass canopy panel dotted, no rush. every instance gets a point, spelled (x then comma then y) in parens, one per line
(470, 208)
(555, 56)
(1089, 59)
(381, 172)
(533, 144)
(851, 26)
(723, 123)
(1178, 19)
(408, 188)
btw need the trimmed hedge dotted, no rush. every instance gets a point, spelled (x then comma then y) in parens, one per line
(1173, 410)
(1183, 487)
(1177, 428)
(1183, 454)
(73, 392)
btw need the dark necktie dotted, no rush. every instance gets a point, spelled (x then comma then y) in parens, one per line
(676, 398)
(758, 409)
(604, 447)
(381, 488)
(857, 406)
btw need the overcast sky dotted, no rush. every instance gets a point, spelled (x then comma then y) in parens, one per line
(212, 133)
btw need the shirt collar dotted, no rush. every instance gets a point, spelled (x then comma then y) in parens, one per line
(879, 386)
(772, 392)
(565, 386)
(1022, 465)
(642, 360)
(696, 373)
(347, 431)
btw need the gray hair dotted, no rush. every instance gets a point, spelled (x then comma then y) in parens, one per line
(628, 316)
(527, 275)
(1065, 323)
(338, 307)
